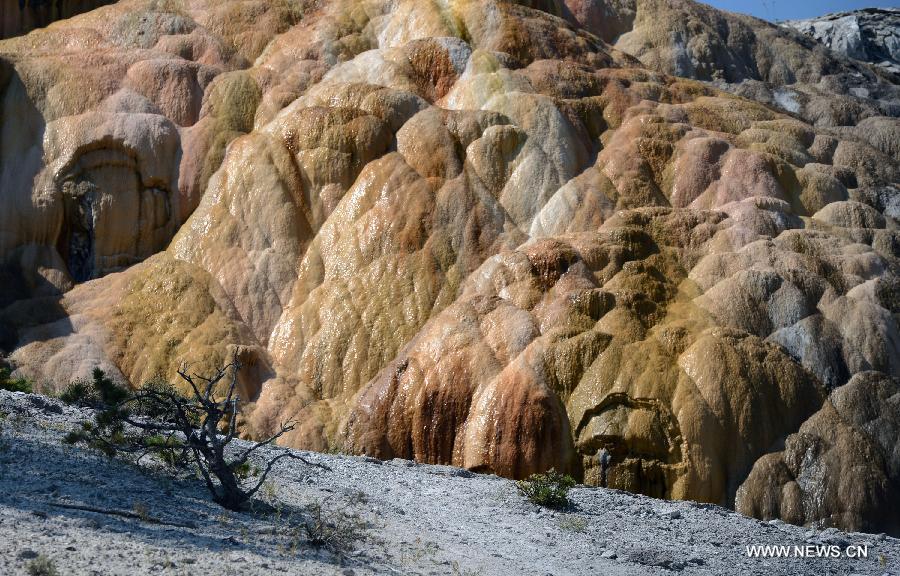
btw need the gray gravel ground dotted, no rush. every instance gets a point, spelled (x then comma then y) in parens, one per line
(402, 518)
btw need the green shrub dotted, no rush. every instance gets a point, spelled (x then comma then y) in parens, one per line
(42, 566)
(79, 393)
(550, 489)
(245, 471)
(14, 384)
(168, 448)
(336, 530)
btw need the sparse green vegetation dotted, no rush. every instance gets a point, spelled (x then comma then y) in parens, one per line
(550, 489)
(167, 448)
(336, 447)
(42, 566)
(246, 471)
(184, 432)
(78, 393)
(337, 530)
(7, 382)
(573, 523)
(334, 529)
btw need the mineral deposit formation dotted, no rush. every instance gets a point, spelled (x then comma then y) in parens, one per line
(499, 235)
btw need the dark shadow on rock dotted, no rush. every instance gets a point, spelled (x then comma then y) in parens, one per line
(22, 16)
(20, 309)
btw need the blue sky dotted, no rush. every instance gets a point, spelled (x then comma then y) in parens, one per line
(793, 9)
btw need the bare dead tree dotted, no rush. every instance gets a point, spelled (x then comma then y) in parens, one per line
(182, 430)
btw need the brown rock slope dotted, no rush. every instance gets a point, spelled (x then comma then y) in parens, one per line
(461, 232)
(753, 58)
(841, 467)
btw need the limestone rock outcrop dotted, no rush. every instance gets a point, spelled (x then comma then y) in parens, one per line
(871, 35)
(693, 40)
(779, 65)
(474, 233)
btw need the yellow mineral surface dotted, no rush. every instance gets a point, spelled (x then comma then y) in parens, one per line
(501, 235)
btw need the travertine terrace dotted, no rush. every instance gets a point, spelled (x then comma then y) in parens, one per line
(498, 235)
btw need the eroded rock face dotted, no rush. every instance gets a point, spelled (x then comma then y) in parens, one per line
(694, 40)
(463, 232)
(803, 68)
(842, 468)
(870, 35)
